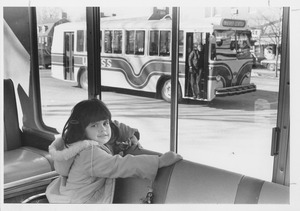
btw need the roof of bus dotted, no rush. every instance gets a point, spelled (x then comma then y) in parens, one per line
(204, 25)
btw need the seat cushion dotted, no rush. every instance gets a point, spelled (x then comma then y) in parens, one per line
(25, 162)
(196, 183)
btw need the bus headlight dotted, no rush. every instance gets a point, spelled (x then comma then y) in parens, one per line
(218, 78)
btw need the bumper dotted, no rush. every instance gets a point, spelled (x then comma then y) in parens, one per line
(235, 90)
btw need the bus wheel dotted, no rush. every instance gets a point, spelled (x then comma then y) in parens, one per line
(82, 82)
(166, 91)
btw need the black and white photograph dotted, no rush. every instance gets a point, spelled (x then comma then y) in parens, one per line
(112, 105)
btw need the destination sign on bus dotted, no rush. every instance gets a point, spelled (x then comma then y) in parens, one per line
(233, 23)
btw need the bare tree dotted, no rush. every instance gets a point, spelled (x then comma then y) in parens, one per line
(270, 25)
(48, 14)
(273, 29)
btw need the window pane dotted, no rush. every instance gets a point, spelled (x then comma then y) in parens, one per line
(232, 132)
(153, 49)
(101, 40)
(243, 45)
(80, 40)
(225, 45)
(165, 39)
(117, 42)
(59, 85)
(139, 42)
(129, 42)
(108, 42)
(180, 44)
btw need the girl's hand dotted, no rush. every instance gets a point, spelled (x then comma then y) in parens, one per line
(168, 159)
(134, 141)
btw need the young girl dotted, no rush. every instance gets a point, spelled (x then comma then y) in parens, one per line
(86, 156)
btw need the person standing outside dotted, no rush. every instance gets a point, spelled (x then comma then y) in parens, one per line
(195, 69)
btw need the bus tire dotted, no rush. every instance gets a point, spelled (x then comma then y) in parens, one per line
(166, 91)
(82, 79)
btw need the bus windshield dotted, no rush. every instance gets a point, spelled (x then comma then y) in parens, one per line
(232, 44)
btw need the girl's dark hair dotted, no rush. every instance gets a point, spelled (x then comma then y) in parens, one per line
(84, 113)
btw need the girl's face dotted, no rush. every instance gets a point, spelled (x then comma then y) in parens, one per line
(99, 131)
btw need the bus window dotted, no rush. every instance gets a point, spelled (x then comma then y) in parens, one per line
(80, 41)
(149, 76)
(180, 44)
(135, 42)
(108, 41)
(225, 44)
(117, 41)
(243, 45)
(140, 42)
(213, 54)
(129, 42)
(165, 41)
(153, 49)
(55, 111)
(100, 42)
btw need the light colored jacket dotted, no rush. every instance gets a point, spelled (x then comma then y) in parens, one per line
(91, 177)
(88, 171)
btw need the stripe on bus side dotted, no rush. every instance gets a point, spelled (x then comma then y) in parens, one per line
(229, 79)
(140, 79)
(223, 70)
(137, 80)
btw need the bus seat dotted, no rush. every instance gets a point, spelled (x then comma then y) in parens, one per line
(192, 183)
(196, 183)
(189, 182)
(272, 192)
(25, 162)
(19, 161)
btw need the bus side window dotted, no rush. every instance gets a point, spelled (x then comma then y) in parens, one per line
(129, 42)
(153, 49)
(135, 42)
(113, 41)
(117, 42)
(100, 42)
(108, 41)
(213, 47)
(80, 41)
(180, 44)
(139, 42)
(164, 49)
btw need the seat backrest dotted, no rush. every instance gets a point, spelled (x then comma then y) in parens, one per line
(193, 183)
(12, 132)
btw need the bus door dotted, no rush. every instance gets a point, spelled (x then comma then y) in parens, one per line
(69, 56)
(188, 49)
(202, 39)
